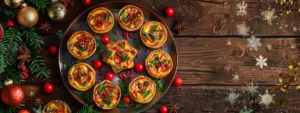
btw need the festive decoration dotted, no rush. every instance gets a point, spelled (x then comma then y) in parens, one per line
(24, 57)
(86, 2)
(48, 87)
(235, 77)
(67, 2)
(1, 32)
(169, 11)
(109, 75)
(261, 62)
(163, 109)
(97, 64)
(173, 108)
(232, 97)
(246, 110)
(57, 12)
(179, 26)
(13, 3)
(40, 4)
(31, 94)
(27, 16)
(105, 39)
(177, 81)
(253, 43)
(126, 99)
(266, 99)
(269, 15)
(24, 111)
(228, 43)
(241, 8)
(139, 67)
(45, 27)
(12, 94)
(10, 23)
(53, 50)
(251, 89)
(87, 109)
(242, 29)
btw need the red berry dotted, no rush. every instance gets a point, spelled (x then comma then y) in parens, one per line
(53, 50)
(109, 75)
(105, 39)
(177, 81)
(48, 87)
(86, 2)
(139, 67)
(97, 64)
(126, 99)
(169, 11)
(163, 109)
(10, 23)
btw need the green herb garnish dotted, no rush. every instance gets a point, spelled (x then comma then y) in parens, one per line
(146, 83)
(155, 27)
(84, 84)
(158, 83)
(84, 74)
(125, 57)
(122, 46)
(83, 49)
(100, 89)
(151, 65)
(146, 34)
(147, 93)
(109, 53)
(123, 14)
(117, 67)
(108, 16)
(108, 99)
(155, 37)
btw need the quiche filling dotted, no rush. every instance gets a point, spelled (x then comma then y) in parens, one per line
(153, 34)
(142, 89)
(106, 95)
(131, 17)
(159, 64)
(56, 107)
(100, 19)
(81, 76)
(81, 45)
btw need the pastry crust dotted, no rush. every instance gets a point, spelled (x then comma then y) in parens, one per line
(131, 18)
(159, 64)
(153, 34)
(120, 55)
(101, 20)
(142, 89)
(81, 45)
(56, 106)
(106, 95)
(81, 76)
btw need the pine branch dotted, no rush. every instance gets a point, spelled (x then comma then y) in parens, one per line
(10, 73)
(39, 68)
(2, 59)
(10, 45)
(40, 4)
(87, 109)
(32, 38)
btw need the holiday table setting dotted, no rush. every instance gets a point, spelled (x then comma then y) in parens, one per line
(152, 56)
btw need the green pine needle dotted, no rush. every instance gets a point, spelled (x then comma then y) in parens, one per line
(32, 39)
(40, 4)
(87, 109)
(10, 45)
(39, 68)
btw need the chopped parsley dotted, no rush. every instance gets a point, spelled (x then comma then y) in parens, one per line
(151, 65)
(83, 49)
(117, 67)
(155, 27)
(108, 16)
(146, 34)
(109, 53)
(84, 74)
(146, 83)
(125, 57)
(100, 89)
(108, 99)
(123, 14)
(147, 93)
(84, 84)
(121, 46)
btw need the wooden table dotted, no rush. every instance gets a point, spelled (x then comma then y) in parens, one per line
(206, 62)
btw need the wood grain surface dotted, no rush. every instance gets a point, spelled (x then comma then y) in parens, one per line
(206, 62)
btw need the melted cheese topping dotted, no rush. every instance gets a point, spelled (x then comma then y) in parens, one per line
(94, 18)
(80, 53)
(99, 98)
(56, 106)
(158, 71)
(89, 79)
(153, 34)
(112, 56)
(136, 22)
(139, 94)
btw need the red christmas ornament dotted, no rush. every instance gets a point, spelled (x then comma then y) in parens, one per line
(10, 23)
(52, 50)
(169, 11)
(12, 94)
(24, 111)
(1, 32)
(163, 109)
(105, 39)
(86, 2)
(48, 87)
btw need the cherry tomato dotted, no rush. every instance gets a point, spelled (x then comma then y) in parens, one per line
(24, 111)
(97, 64)
(86, 2)
(117, 59)
(53, 50)
(126, 99)
(109, 75)
(169, 11)
(48, 87)
(10, 23)
(105, 39)
(139, 67)
(177, 81)
(163, 109)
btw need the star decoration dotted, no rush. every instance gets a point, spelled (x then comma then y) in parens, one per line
(236, 77)
(173, 108)
(261, 61)
(31, 94)
(45, 27)
(24, 54)
(179, 26)
(269, 15)
(266, 98)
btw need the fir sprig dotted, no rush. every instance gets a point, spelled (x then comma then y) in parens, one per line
(10, 45)
(32, 39)
(40, 4)
(39, 68)
(87, 109)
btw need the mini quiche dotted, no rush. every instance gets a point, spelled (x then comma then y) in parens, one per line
(106, 95)
(56, 106)
(142, 89)
(131, 18)
(153, 34)
(100, 20)
(120, 55)
(81, 45)
(82, 76)
(159, 64)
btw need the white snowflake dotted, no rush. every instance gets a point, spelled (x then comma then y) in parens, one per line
(266, 99)
(236, 77)
(251, 89)
(246, 110)
(31, 94)
(232, 97)
(295, 29)
(269, 15)
(253, 43)
(261, 61)
(242, 8)
(242, 29)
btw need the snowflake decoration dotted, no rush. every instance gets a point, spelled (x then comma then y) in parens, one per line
(242, 8)
(228, 43)
(232, 97)
(236, 77)
(268, 15)
(31, 94)
(242, 29)
(251, 89)
(266, 99)
(253, 43)
(261, 61)
(246, 110)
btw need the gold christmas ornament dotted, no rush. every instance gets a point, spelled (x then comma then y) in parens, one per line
(57, 12)
(27, 16)
(13, 3)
